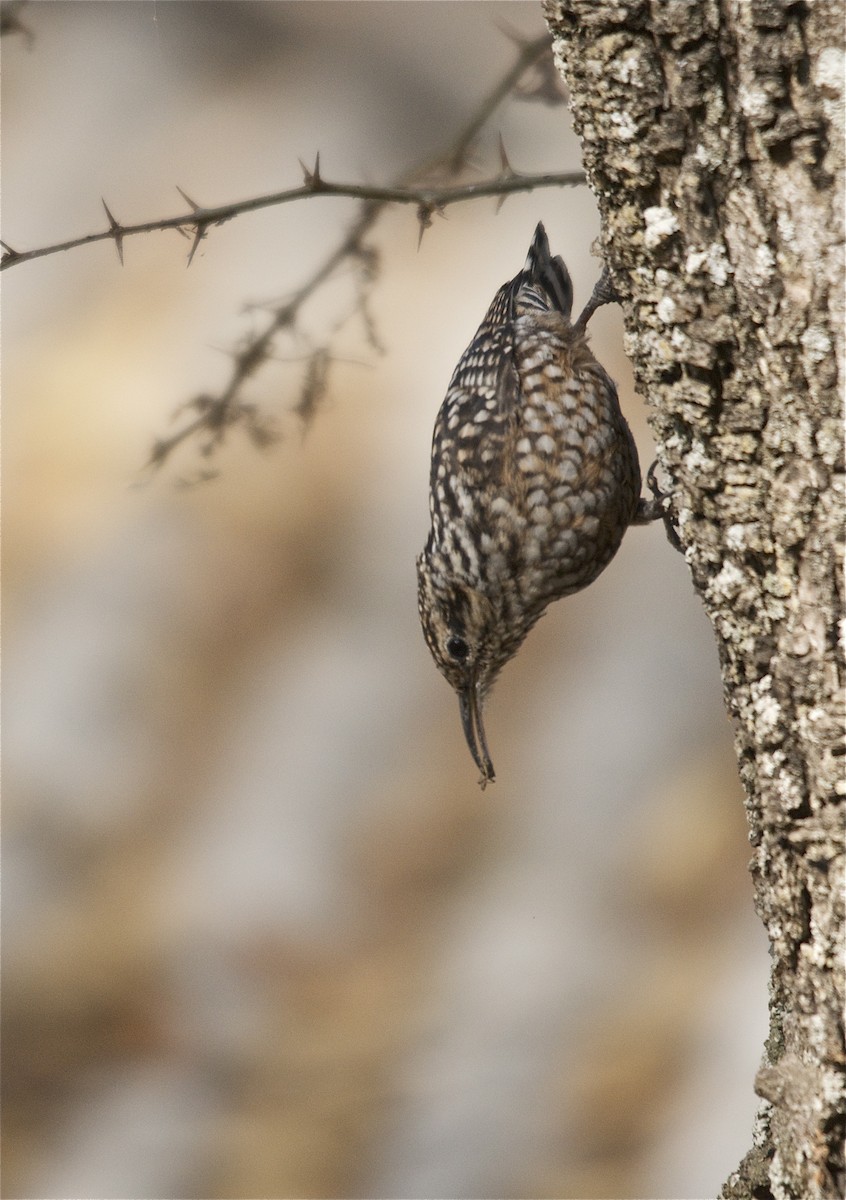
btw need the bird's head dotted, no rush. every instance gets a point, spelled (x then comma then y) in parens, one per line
(460, 626)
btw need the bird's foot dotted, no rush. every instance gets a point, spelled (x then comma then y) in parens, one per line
(659, 508)
(604, 292)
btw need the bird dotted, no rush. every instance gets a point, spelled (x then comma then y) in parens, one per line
(534, 480)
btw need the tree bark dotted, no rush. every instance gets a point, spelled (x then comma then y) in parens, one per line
(712, 137)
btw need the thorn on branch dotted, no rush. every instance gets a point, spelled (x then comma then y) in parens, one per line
(425, 211)
(194, 207)
(312, 179)
(424, 220)
(201, 226)
(506, 169)
(506, 172)
(9, 255)
(117, 232)
(200, 231)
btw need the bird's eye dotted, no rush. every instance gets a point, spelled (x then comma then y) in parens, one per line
(457, 648)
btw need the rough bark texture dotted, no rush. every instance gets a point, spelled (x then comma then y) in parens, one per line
(712, 137)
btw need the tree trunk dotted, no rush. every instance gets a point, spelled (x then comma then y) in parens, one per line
(712, 137)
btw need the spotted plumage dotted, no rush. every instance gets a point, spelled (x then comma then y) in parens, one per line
(534, 480)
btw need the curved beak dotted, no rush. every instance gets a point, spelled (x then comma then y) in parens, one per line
(470, 706)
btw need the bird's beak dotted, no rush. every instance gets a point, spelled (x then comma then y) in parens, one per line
(470, 704)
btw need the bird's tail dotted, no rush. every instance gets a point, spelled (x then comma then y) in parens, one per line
(546, 276)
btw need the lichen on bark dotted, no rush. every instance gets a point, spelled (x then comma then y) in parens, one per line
(712, 136)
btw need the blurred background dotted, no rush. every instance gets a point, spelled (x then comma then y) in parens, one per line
(264, 935)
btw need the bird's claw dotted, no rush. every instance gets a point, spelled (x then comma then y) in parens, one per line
(604, 292)
(658, 508)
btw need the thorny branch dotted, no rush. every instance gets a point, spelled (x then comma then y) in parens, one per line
(532, 76)
(214, 415)
(200, 219)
